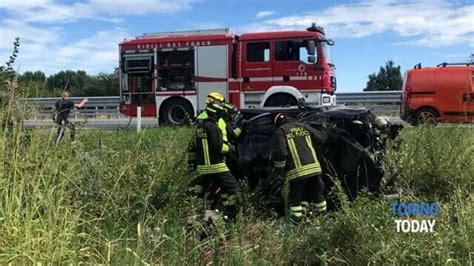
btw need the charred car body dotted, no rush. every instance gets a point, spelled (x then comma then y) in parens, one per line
(353, 153)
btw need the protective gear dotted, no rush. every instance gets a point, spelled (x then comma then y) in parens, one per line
(210, 151)
(305, 195)
(230, 117)
(209, 148)
(204, 187)
(280, 119)
(215, 96)
(231, 112)
(297, 140)
(295, 157)
(220, 123)
(215, 109)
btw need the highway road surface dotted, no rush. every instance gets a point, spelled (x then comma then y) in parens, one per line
(111, 124)
(122, 123)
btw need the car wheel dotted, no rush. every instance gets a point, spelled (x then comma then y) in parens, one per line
(426, 116)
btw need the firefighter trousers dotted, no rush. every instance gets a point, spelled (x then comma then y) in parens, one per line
(219, 189)
(304, 194)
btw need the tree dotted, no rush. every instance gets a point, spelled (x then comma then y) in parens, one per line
(30, 76)
(72, 81)
(388, 78)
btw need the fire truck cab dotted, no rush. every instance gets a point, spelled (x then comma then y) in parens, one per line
(170, 74)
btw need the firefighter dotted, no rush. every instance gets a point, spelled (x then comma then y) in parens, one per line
(210, 150)
(295, 159)
(215, 96)
(234, 123)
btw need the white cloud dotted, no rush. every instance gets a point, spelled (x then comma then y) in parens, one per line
(45, 46)
(41, 48)
(11, 28)
(50, 11)
(427, 23)
(265, 13)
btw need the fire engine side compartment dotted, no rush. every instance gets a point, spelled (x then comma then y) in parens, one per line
(211, 72)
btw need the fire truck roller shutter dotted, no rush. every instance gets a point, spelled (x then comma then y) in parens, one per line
(212, 68)
(176, 111)
(281, 96)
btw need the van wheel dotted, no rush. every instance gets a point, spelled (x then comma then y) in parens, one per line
(176, 112)
(426, 116)
(281, 99)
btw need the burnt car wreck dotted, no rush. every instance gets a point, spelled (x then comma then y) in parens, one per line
(353, 153)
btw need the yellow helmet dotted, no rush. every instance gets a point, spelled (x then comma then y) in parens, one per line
(215, 109)
(215, 96)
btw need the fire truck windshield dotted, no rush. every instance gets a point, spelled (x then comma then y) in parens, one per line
(327, 53)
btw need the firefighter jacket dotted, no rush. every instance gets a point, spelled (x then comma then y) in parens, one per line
(221, 124)
(293, 150)
(208, 148)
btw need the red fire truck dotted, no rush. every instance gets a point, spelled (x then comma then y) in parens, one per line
(169, 74)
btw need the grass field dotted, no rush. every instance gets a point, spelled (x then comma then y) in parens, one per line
(118, 197)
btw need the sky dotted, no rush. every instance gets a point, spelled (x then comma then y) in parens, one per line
(58, 35)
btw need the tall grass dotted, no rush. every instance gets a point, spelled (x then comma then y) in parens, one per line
(119, 197)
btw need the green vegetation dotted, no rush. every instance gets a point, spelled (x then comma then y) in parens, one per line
(79, 83)
(119, 197)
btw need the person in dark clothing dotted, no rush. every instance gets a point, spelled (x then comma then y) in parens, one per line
(209, 151)
(295, 159)
(62, 109)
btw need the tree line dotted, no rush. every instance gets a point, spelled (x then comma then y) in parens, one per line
(78, 83)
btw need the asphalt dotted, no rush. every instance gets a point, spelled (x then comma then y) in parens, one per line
(96, 123)
(110, 124)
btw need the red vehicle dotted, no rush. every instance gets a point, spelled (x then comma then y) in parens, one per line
(169, 74)
(438, 94)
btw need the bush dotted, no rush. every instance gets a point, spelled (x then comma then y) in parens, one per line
(432, 163)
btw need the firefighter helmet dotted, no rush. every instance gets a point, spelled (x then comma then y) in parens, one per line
(215, 109)
(215, 96)
(280, 118)
(230, 108)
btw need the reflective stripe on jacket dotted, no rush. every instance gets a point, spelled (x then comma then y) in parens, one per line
(209, 148)
(221, 124)
(293, 150)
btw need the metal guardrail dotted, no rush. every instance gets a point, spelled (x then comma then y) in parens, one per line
(379, 102)
(96, 107)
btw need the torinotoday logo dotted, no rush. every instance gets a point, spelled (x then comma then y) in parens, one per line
(415, 217)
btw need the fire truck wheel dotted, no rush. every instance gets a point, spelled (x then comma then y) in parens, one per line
(281, 99)
(426, 116)
(176, 112)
